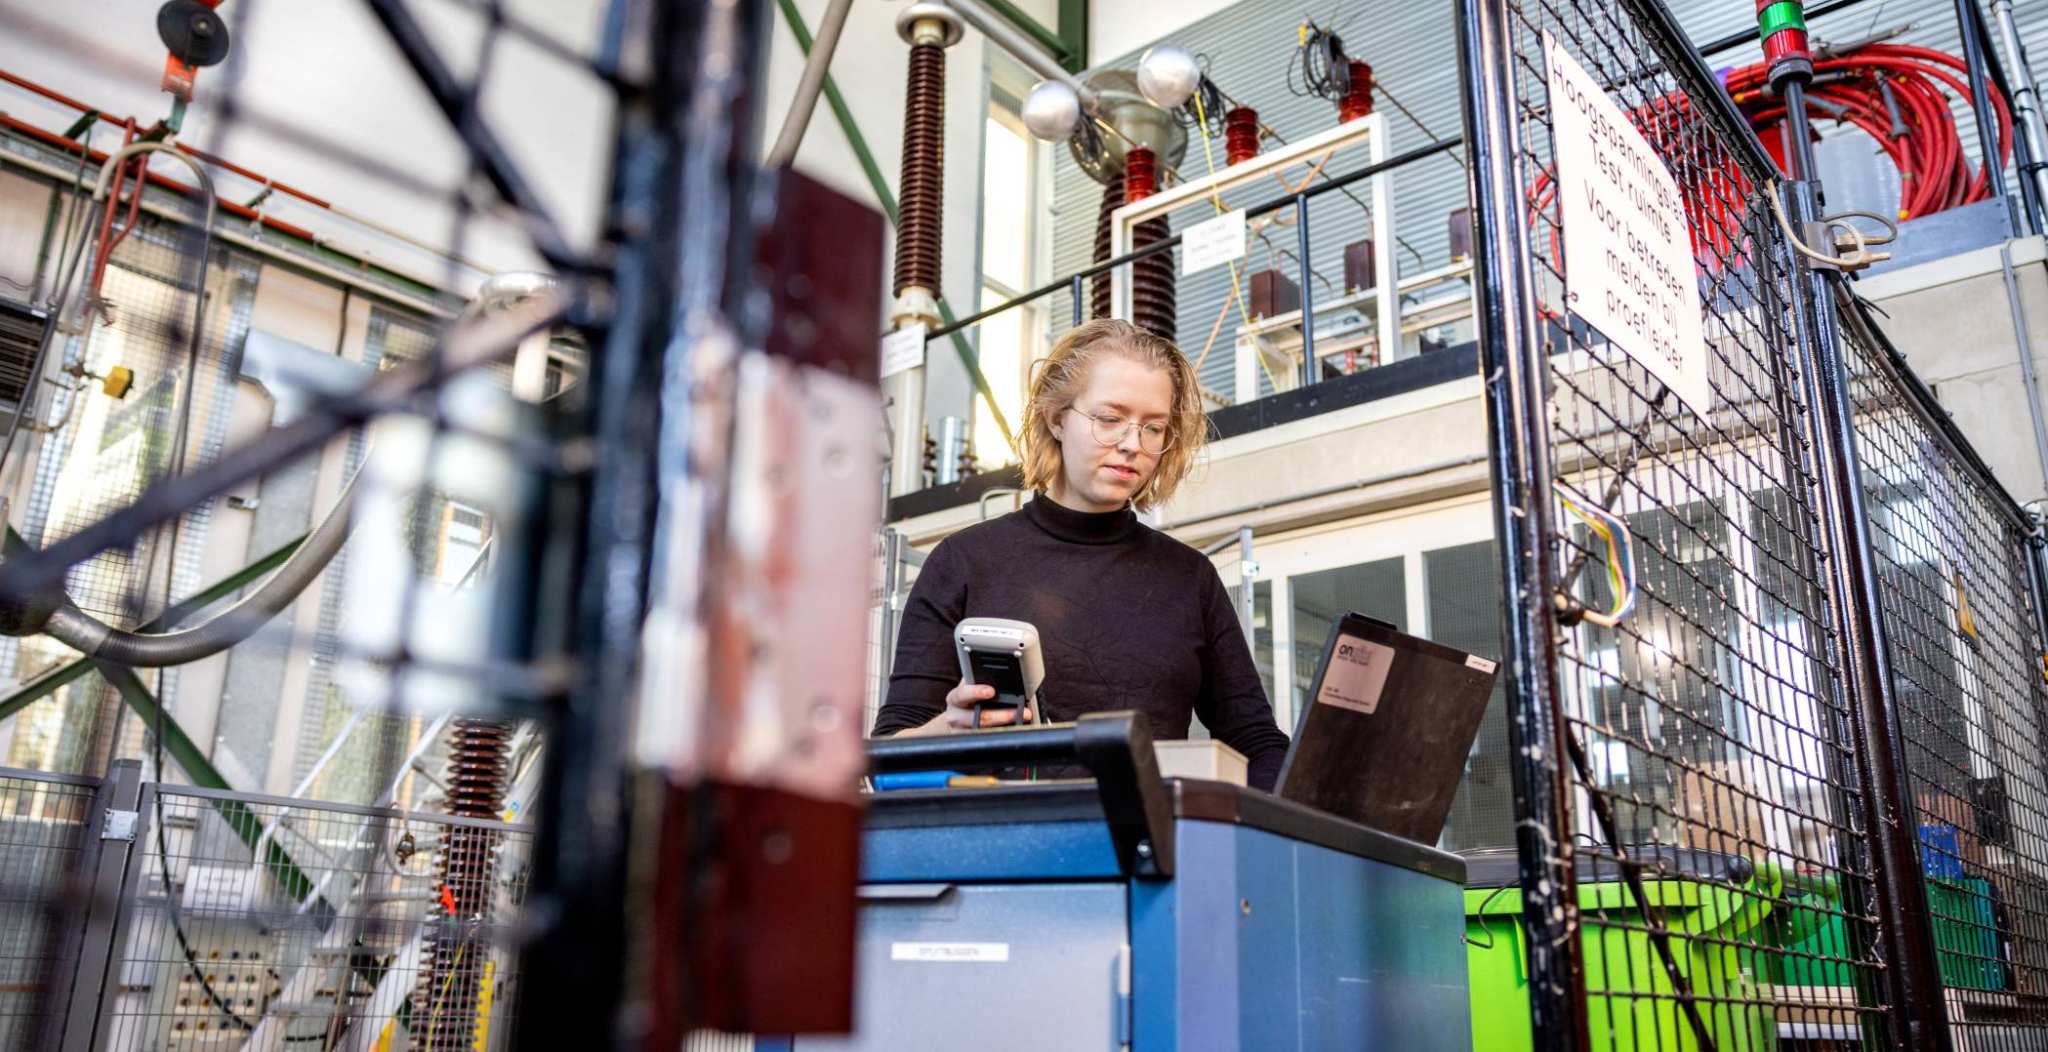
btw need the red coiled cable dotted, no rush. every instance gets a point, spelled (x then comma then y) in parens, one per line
(1900, 95)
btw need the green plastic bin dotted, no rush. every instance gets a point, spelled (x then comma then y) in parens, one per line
(1965, 937)
(1622, 967)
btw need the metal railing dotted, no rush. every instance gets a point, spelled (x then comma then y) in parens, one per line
(1077, 283)
(45, 826)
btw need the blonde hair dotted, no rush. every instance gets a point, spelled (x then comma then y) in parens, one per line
(1058, 377)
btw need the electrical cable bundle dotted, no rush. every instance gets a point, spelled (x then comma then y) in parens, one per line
(1319, 66)
(1901, 96)
(1205, 108)
(1621, 559)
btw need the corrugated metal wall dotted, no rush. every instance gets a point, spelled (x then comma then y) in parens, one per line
(1413, 51)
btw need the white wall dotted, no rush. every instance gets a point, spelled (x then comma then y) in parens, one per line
(1116, 27)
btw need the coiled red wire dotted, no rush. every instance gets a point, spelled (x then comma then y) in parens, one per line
(1924, 143)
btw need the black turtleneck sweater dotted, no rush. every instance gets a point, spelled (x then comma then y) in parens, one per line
(1127, 618)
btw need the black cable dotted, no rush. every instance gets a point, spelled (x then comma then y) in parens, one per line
(1319, 67)
(1213, 103)
(171, 899)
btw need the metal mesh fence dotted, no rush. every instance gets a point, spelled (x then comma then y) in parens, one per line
(42, 842)
(1961, 621)
(1710, 707)
(1711, 816)
(264, 922)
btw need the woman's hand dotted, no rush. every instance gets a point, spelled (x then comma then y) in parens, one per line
(959, 714)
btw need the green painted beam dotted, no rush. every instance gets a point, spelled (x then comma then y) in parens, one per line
(880, 186)
(56, 679)
(1074, 30)
(842, 113)
(182, 749)
(1062, 49)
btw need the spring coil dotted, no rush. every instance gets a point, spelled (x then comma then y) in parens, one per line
(1155, 289)
(924, 157)
(1357, 102)
(454, 944)
(1241, 134)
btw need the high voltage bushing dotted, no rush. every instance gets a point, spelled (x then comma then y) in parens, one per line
(1155, 290)
(929, 29)
(1240, 135)
(1357, 100)
(456, 943)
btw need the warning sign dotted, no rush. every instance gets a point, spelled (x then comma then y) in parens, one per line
(1627, 246)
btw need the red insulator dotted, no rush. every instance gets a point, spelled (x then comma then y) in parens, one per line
(1357, 102)
(1141, 174)
(924, 151)
(1241, 134)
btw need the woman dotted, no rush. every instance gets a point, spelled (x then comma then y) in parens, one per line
(1127, 617)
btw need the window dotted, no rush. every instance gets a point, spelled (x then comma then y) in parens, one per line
(1007, 342)
(1463, 592)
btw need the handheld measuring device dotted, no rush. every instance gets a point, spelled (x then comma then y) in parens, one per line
(1001, 653)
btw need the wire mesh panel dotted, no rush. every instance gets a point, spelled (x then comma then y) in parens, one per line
(1956, 588)
(43, 823)
(261, 922)
(1702, 859)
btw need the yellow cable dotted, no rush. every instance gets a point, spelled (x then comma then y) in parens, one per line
(1615, 577)
(1216, 200)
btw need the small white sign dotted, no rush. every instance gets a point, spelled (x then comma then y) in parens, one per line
(951, 952)
(1357, 675)
(1480, 663)
(1628, 260)
(903, 349)
(1212, 242)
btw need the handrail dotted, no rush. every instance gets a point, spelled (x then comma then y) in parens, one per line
(1252, 212)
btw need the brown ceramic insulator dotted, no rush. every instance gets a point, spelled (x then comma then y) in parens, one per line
(456, 944)
(1356, 102)
(1241, 134)
(1141, 173)
(1155, 282)
(1098, 291)
(1155, 287)
(924, 157)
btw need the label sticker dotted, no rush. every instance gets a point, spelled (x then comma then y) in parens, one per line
(1480, 663)
(1628, 259)
(903, 349)
(1357, 675)
(951, 952)
(1212, 242)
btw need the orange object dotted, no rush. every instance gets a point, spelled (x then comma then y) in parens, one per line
(178, 78)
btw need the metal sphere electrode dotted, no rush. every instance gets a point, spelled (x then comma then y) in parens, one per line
(1167, 75)
(1052, 111)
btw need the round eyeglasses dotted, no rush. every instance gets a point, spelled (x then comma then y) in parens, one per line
(1110, 428)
